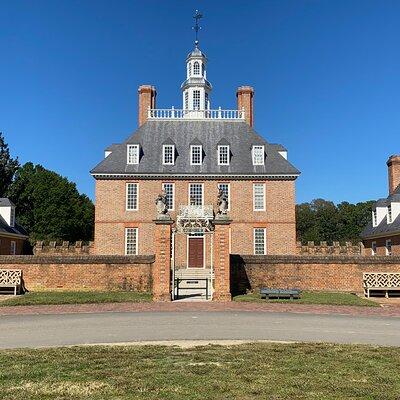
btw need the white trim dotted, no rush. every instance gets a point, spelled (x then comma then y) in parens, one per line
(386, 247)
(229, 192)
(202, 191)
(373, 248)
(13, 235)
(389, 214)
(191, 154)
(173, 154)
(128, 159)
(263, 154)
(137, 241)
(173, 193)
(13, 247)
(137, 196)
(219, 154)
(254, 196)
(193, 176)
(204, 251)
(254, 240)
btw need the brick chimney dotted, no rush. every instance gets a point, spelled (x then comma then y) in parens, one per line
(244, 96)
(147, 99)
(394, 173)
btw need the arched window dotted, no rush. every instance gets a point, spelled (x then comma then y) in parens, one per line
(196, 68)
(190, 69)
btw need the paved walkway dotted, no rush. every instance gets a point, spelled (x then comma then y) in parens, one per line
(131, 327)
(387, 310)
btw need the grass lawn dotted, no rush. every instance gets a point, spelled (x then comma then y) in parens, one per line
(36, 298)
(250, 371)
(342, 299)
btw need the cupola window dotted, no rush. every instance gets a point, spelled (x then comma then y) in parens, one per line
(196, 99)
(196, 68)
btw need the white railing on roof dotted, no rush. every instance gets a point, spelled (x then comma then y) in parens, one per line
(172, 113)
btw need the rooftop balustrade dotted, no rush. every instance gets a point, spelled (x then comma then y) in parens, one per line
(173, 114)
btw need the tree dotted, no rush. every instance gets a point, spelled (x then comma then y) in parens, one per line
(50, 207)
(8, 166)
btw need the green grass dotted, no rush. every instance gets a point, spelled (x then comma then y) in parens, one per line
(46, 298)
(246, 372)
(330, 298)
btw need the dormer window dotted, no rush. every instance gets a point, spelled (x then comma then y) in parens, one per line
(168, 154)
(374, 218)
(12, 217)
(196, 153)
(258, 155)
(196, 68)
(389, 216)
(223, 155)
(133, 154)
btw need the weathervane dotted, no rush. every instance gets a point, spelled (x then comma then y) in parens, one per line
(197, 16)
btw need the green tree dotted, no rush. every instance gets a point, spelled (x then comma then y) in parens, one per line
(49, 206)
(8, 166)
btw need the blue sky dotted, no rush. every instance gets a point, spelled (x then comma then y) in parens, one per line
(326, 75)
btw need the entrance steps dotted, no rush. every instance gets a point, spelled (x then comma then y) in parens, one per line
(192, 286)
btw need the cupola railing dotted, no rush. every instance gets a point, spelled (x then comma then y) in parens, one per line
(172, 113)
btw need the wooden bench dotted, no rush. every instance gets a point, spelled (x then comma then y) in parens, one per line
(381, 281)
(267, 293)
(11, 278)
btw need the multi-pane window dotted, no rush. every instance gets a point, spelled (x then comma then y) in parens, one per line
(206, 101)
(258, 155)
(259, 196)
(13, 248)
(388, 247)
(373, 248)
(259, 241)
(12, 217)
(169, 193)
(375, 218)
(133, 154)
(389, 217)
(131, 241)
(189, 69)
(223, 155)
(132, 196)
(196, 153)
(186, 100)
(196, 194)
(196, 99)
(168, 154)
(225, 188)
(196, 68)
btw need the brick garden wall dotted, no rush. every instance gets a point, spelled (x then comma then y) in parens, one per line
(82, 272)
(325, 273)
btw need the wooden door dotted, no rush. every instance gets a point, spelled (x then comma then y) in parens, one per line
(196, 252)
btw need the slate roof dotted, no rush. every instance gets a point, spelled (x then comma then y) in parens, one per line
(383, 228)
(154, 133)
(4, 227)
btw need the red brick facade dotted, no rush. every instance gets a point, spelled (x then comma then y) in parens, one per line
(394, 173)
(147, 99)
(381, 245)
(6, 245)
(245, 102)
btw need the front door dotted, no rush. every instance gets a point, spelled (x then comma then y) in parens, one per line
(196, 252)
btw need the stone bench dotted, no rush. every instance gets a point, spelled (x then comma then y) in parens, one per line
(11, 278)
(267, 293)
(381, 281)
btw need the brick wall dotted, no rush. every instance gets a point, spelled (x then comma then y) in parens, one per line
(325, 273)
(381, 245)
(5, 245)
(278, 218)
(54, 248)
(323, 248)
(82, 272)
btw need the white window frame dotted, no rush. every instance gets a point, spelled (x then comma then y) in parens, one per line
(227, 154)
(387, 245)
(196, 68)
(136, 208)
(136, 230)
(13, 247)
(132, 158)
(265, 241)
(254, 196)
(173, 194)
(196, 96)
(229, 193)
(202, 192)
(374, 217)
(253, 154)
(390, 214)
(373, 248)
(192, 146)
(165, 146)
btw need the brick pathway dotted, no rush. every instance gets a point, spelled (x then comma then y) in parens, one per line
(384, 311)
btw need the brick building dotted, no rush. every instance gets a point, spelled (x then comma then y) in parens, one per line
(382, 234)
(191, 154)
(12, 235)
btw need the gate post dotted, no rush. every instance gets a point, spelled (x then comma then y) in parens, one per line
(222, 267)
(161, 271)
